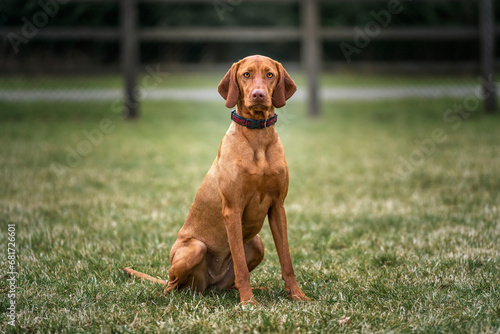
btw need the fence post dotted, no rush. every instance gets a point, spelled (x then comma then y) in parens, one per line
(487, 39)
(129, 57)
(311, 52)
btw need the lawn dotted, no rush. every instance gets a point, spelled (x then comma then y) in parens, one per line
(393, 223)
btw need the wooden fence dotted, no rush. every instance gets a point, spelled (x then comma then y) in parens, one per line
(310, 33)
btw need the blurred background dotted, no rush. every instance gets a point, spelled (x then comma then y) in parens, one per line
(118, 42)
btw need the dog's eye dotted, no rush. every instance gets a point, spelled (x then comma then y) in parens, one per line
(270, 75)
(246, 75)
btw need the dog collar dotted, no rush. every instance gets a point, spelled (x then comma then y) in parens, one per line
(253, 123)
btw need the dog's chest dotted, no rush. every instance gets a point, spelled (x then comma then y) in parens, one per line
(267, 165)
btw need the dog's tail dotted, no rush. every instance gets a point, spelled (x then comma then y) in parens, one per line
(132, 272)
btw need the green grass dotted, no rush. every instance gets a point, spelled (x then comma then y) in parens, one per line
(417, 254)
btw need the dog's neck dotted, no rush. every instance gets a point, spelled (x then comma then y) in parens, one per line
(253, 123)
(258, 139)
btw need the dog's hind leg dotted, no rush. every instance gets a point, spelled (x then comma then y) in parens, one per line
(189, 267)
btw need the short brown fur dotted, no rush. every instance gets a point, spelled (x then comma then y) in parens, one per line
(218, 244)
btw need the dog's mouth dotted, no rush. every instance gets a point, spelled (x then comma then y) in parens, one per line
(259, 107)
(260, 113)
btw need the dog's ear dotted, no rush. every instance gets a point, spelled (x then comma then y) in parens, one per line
(228, 87)
(284, 89)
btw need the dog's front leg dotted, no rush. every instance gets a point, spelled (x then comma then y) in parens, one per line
(232, 220)
(277, 221)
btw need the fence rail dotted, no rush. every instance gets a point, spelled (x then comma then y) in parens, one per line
(256, 34)
(309, 33)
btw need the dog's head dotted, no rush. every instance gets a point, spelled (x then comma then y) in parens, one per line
(257, 84)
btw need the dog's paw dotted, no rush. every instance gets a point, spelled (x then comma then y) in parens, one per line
(298, 295)
(249, 304)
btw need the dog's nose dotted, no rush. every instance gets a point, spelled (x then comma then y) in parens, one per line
(258, 95)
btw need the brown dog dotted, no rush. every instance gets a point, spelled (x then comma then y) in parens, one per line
(218, 244)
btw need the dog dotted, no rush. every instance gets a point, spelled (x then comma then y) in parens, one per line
(219, 243)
